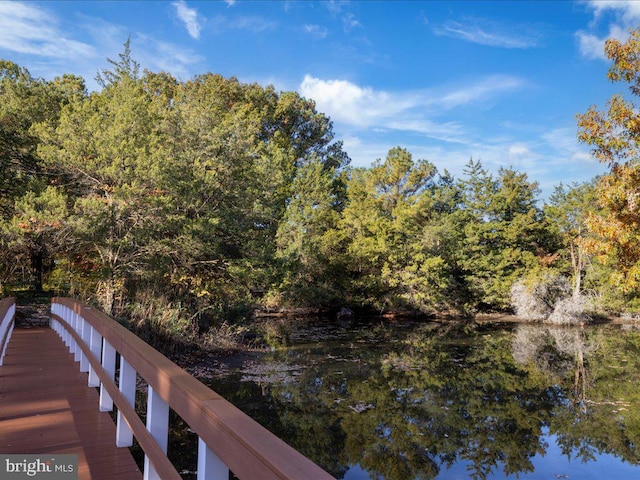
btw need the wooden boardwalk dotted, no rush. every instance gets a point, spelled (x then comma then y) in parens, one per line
(46, 407)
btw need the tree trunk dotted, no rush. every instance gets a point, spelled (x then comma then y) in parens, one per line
(37, 261)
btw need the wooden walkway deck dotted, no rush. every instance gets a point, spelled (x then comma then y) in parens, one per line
(46, 407)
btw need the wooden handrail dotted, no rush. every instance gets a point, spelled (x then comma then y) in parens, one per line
(146, 441)
(246, 448)
(7, 315)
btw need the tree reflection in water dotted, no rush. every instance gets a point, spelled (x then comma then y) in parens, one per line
(409, 403)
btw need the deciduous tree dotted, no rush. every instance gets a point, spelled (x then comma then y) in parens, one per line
(614, 135)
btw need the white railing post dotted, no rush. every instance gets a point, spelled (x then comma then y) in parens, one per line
(76, 328)
(62, 311)
(5, 327)
(124, 436)
(109, 365)
(71, 320)
(96, 349)
(66, 315)
(51, 320)
(54, 325)
(86, 338)
(210, 467)
(158, 427)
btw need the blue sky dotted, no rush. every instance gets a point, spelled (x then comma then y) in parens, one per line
(497, 81)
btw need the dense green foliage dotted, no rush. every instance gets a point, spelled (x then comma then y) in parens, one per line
(201, 200)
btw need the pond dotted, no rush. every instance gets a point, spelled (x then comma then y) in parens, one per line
(400, 401)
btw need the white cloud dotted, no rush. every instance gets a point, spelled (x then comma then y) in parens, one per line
(519, 153)
(189, 17)
(158, 55)
(629, 10)
(350, 22)
(255, 24)
(27, 29)
(346, 102)
(338, 8)
(317, 31)
(481, 90)
(564, 141)
(592, 46)
(623, 15)
(491, 33)
(412, 111)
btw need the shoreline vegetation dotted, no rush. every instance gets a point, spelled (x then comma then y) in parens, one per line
(191, 209)
(271, 329)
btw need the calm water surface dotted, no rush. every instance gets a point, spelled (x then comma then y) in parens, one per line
(424, 401)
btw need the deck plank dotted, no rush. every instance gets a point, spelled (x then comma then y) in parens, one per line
(46, 407)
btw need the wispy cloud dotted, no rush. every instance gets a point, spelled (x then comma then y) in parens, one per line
(349, 22)
(340, 9)
(481, 90)
(562, 140)
(336, 7)
(316, 31)
(190, 18)
(151, 52)
(412, 111)
(29, 29)
(252, 23)
(158, 55)
(491, 33)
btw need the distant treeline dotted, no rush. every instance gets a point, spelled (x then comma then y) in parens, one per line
(213, 198)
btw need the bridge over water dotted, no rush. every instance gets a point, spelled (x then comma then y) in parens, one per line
(59, 382)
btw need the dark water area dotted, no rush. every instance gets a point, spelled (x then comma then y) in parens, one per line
(400, 401)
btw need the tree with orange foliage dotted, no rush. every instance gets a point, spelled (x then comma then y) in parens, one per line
(614, 136)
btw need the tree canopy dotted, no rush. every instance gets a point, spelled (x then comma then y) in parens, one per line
(222, 197)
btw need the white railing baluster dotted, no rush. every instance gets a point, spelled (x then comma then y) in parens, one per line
(77, 352)
(96, 350)
(210, 467)
(62, 312)
(5, 327)
(158, 426)
(109, 365)
(85, 335)
(67, 317)
(124, 436)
